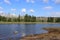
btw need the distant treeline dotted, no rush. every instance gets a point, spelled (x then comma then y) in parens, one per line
(28, 18)
(53, 19)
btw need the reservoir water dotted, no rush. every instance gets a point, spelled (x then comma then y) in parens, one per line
(15, 31)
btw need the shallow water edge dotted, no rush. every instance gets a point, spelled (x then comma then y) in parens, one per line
(28, 23)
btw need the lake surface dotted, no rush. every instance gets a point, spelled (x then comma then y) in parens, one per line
(7, 31)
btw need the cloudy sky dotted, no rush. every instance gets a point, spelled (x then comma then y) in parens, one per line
(44, 8)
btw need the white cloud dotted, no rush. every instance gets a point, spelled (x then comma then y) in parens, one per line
(13, 9)
(32, 11)
(11, 15)
(1, 12)
(48, 7)
(1, 8)
(30, 1)
(45, 1)
(7, 1)
(27, 0)
(55, 14)
(57, 1)
(23, 10)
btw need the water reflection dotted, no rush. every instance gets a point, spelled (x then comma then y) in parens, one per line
(29, 28)
(15, 31)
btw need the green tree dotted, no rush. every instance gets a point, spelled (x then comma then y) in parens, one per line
(15, 20)
(18, 18)
(29, 18)
(26, 18)
(9, 20)
(58, 20)
(4, 19)
(0, 18)
(50, 19)
(33, 19)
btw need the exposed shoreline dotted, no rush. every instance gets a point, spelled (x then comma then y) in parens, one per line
(27, 23)
(53, 34)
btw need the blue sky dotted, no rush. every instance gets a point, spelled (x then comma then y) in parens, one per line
(44, 8)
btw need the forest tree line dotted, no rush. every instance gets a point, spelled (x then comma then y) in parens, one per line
(28, 18)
